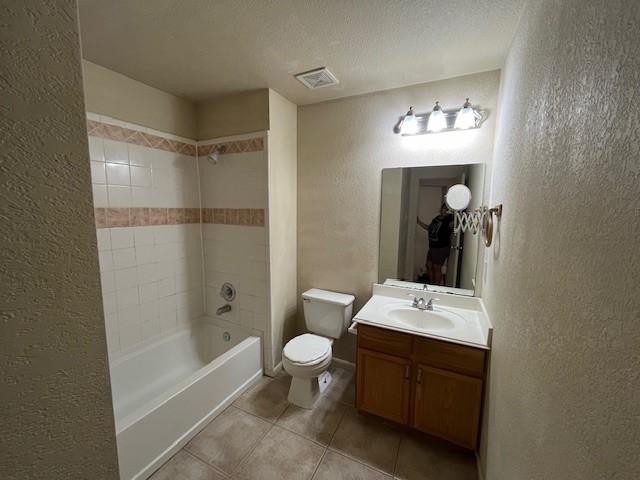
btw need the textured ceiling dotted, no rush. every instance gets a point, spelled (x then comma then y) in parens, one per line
(199, 49)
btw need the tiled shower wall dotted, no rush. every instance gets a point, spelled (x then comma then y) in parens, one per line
(145, 191)
(152, 227)
(236, 249)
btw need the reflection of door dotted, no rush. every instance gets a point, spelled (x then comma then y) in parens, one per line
(430, 197)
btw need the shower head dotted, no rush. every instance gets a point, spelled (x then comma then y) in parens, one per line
(214, 157)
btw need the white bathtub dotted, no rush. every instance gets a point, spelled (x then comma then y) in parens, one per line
(166, 391)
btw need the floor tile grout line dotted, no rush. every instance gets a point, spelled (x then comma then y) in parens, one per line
(358, 461)
(244, 459)
(395, 463)
(324, 453)
(213, 467)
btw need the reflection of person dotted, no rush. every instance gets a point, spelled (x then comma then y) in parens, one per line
(439, 233)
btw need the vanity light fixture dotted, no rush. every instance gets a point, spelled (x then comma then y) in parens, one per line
(437, 122)
(467, 117)
(409, 124)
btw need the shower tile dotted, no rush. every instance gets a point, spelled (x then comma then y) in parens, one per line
(228, 439)
(98, 174)
(139, 217)
(157, 216)
(115, 152)
(100, 197)
(100, 216)
(183, 466)
(281, 455)
(96, 149)
(118, 174)
(121, 238)
(231, 216)
(268, 399)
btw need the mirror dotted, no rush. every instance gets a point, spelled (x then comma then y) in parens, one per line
(417, 242)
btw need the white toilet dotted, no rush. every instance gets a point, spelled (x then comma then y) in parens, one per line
(307, 357)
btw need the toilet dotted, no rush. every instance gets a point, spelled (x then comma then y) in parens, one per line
(307, 357)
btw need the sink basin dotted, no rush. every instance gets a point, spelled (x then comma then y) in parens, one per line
(413, 318)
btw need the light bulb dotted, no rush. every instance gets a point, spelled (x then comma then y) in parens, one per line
(466, 117)
(437, 121)
(409, 124)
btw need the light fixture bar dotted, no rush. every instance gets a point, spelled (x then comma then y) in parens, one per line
(419, 122)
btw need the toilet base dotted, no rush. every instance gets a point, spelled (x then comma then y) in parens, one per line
(305, 391)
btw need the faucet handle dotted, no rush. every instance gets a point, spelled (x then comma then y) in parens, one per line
(415, 299)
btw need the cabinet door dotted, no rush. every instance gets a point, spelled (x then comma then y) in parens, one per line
(383, 385)
(447, 405)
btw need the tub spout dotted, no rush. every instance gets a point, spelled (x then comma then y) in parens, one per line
(224, 309)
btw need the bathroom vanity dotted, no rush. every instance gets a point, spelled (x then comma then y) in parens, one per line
(423, 369)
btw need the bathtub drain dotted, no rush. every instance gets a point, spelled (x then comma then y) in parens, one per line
(226, 336)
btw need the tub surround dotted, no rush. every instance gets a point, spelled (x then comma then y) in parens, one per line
(193, 366)
(150, 221)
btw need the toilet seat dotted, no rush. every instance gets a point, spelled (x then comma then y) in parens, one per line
(307, 349)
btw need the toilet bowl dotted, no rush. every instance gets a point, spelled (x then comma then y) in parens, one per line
(307, 357)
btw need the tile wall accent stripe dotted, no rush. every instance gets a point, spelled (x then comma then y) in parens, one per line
(237, 146)
(127, 135)
(252, 217)
(140, 217)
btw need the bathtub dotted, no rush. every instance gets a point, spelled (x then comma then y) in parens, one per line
(166, 391)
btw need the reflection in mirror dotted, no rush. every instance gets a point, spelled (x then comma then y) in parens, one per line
(417, 241)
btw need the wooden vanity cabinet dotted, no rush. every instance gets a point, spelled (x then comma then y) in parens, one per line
(430, 385)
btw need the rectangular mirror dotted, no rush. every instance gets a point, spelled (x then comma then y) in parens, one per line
(417, 242)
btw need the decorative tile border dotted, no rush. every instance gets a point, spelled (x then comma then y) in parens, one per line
(253, 217)
(140, 217)
(127, 135)
(237, 146)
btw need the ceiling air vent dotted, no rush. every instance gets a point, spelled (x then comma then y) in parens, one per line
(317, 78)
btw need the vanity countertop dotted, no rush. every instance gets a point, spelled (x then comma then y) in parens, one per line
(455, 319)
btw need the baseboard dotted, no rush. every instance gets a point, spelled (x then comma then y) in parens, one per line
(340, 363)
(479, 467)
(193, 431)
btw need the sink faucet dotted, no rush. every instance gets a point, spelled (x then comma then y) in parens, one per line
(421, 304)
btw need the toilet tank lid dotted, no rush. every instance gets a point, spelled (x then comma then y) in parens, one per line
(326, 296)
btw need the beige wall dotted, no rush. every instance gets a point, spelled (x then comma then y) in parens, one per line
(342, 148)
(283, 157)
(562, 290)
(56, 415)
(112, 94)
(244, 112)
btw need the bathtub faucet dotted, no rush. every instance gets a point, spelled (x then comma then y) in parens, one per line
(225, 309)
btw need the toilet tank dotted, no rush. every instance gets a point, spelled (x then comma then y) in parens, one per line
(327, 313)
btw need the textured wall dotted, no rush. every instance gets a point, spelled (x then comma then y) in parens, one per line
(112, 94)
(56, 416)
(283, 156)
(233, 114)
(562, 291)
(342, 148)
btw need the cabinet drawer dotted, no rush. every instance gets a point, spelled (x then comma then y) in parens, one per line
(383, 340)
(450, 356)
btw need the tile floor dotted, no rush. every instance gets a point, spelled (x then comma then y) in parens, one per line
(263, 437)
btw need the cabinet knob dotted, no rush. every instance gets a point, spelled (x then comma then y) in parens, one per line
(419, 379)
(406, 372)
